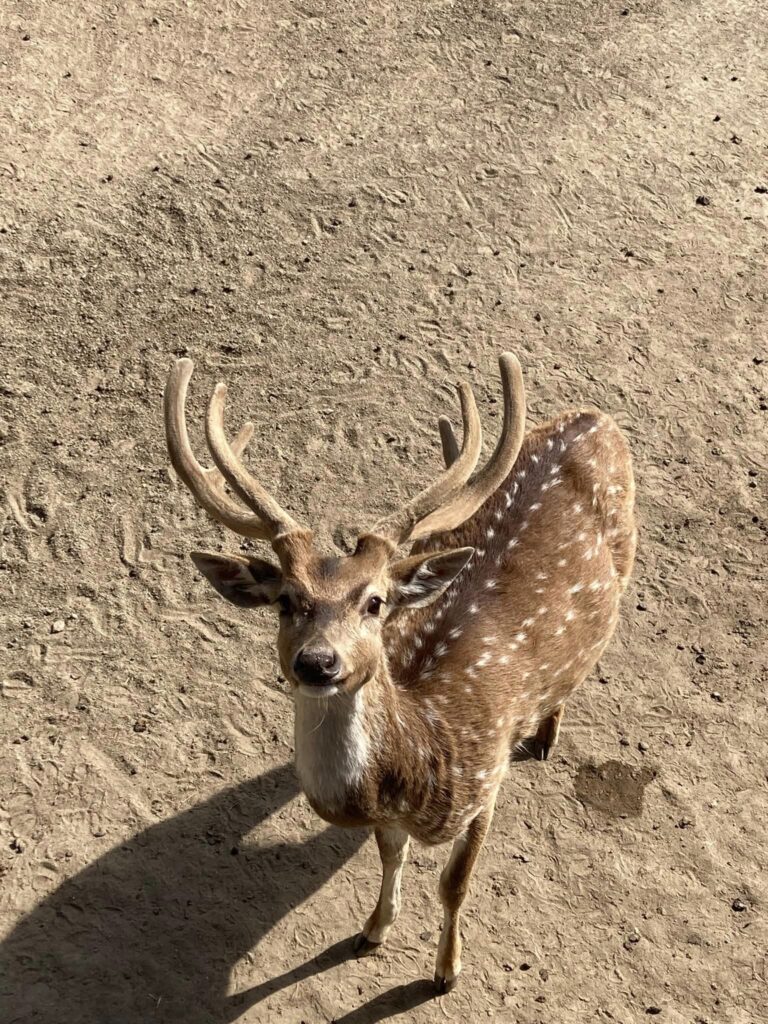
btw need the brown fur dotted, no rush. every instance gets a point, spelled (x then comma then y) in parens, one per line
(444, 710)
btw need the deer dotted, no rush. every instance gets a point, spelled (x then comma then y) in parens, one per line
(418, 676)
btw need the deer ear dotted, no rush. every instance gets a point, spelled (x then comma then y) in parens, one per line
(419, 580)
(247, 582)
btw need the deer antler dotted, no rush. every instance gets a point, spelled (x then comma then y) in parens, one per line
(448, 441)
(453, 498)
(401, 525)
(267, 519)
(275, 518)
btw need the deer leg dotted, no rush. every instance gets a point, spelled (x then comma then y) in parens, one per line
(393, 848)
(548, 733)
(454, 883)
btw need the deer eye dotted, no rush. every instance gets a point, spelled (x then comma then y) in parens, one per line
(374, 605)
(285, 604)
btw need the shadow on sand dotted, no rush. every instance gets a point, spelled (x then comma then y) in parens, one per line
(151, 931)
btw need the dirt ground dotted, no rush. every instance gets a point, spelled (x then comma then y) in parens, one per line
(341, 209)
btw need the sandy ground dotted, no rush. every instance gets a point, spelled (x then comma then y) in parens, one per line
(341, 209)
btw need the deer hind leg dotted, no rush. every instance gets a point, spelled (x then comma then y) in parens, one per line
(548, 733)
(454, 883)
(393, 849)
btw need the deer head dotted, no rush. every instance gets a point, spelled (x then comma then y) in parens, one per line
(332, 609)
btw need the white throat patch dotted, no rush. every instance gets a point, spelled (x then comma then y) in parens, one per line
(332, 746)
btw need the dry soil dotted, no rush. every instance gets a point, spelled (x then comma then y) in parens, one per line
(342, 208)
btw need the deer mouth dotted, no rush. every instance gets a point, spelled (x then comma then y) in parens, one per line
(319, 692)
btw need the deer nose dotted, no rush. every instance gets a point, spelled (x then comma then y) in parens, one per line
(317, 665)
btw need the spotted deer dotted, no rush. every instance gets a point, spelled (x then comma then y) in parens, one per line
(415, 678)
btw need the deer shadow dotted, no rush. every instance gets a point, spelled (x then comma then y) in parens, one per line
(151, 930)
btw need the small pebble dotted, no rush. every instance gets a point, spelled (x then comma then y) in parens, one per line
(738, 906)
(653, 1010)
(58, 626)
(642, 747)
(701, 201)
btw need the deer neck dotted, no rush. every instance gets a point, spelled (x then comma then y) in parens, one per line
(334, 742)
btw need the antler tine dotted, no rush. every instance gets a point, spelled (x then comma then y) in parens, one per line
(448, 440)
(239, 445)
(275, 519)
(399, 526)
(204, 484)
(469, 499)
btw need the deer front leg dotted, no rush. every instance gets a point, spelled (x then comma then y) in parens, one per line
(393, 848)
(454, 883)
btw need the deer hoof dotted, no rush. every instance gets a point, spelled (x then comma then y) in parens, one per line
(445, 985)
(363, 945)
